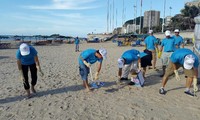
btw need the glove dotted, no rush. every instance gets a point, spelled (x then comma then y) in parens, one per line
(159, 54)
(22, 76)
(87, 64)
(39, 69)
(176, 75)
(195, 84)
(96, 76)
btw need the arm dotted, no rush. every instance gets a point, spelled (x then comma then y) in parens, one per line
(174, 66)
(19, 64)
(120, 72)
(37, 61)
(99, 67)
(195, 72)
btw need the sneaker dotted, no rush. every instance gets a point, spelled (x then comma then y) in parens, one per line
(189, 93)
(124, 79)
(162, 91)
(131, 83)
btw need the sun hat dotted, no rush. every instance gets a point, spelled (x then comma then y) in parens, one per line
(167, 33)
(103, 52)
(150, 31)
(176, 30)
(24, 49)
(189, 62)
(120, 62)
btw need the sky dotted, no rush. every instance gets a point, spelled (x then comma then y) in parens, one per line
(73, 17)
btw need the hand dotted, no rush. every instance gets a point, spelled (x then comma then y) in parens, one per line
(96, 76)
(40, 70)
(159, 54)
(87, 64)
(177, 75)
(195, 84)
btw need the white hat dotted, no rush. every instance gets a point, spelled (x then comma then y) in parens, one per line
(150, 31)
(167, 33)
(120, 62)
(189, 62)
(103, 52)
(176, 30)
(24, 49)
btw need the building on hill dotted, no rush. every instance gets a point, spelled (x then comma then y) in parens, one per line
(151, 18)
(193, 3)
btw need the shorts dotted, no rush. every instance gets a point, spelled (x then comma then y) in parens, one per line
(84, 71)
(146, 61)
(165, 58)
(170, 70)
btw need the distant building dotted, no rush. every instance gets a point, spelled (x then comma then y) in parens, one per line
(168, 20)
(117, 30)
(130, 28)
(151, 18)
(194, 3)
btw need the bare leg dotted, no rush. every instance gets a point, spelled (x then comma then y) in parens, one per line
(189, 81)
(86, 85)
(164, 81)
(144, 71)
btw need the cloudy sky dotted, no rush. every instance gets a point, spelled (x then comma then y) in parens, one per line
(72, 17)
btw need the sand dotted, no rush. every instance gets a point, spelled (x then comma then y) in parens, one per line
(60, 95)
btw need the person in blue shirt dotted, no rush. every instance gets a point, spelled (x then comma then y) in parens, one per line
(167, 48)
(76, 41)
(86, 59)
(151, 44)
(178, 39)
(27, 59)
(189, 61)
(130, 62)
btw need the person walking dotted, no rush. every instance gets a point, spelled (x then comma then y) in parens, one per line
(151, 44)
(178, 39)
(189, 61)
(168, 44)
(27, 59)
(86, 59)
(77, 42)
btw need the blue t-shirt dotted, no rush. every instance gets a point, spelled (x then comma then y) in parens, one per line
(27, 59)
(179, 55)
(178, 40)
(168, 44)
(142, 54)
(89, 56)
(130, 56)
(150, 42)
(77, 41)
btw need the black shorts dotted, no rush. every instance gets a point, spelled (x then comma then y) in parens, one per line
(146, 61)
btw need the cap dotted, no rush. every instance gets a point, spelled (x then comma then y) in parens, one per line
(188, 62)
(167, 33)
(176, 30)
(150, 31)
(24, 49)
(103, 52)
(120, 62)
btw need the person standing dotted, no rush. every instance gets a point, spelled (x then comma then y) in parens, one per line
(178, 39)
(77, 42)
(152, 45)
(168, 44)
(27, 59)
(189, 61)
(86, 59)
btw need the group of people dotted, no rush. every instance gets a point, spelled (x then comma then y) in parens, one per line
(131, 62)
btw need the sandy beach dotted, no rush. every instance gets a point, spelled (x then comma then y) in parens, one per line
(61, 96)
